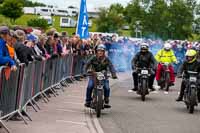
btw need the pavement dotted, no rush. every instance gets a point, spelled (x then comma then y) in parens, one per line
(63, 114)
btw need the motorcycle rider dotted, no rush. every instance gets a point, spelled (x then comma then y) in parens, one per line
(190, 64)
(165, 55)
(98, 63)
(142, 59)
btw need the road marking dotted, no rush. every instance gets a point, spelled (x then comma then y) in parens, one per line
(75, 96)
(72, 122)
(68, 110)
(73, 103)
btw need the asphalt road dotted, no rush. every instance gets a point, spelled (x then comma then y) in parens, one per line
(160, 113)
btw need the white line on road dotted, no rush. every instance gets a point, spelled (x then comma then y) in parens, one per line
(79, 97)
(73, 103)
(68, 110)
(72, 122)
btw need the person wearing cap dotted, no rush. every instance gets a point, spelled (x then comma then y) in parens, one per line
(34, 50)
(99, 63)
(143, 59)
(5, 58)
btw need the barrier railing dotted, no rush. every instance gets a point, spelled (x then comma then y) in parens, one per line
(20, 88)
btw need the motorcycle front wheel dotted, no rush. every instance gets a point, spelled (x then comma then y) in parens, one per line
(143, 90)
(99, 103)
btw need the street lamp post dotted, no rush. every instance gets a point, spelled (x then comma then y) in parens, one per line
(138, 28)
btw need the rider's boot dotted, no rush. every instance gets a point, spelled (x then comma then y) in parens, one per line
(106, 100)
(134, 89)
(152, 88)
(171, 84)
(159, 82)
(87, 104)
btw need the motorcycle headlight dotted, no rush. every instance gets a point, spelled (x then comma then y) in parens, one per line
(100, 76)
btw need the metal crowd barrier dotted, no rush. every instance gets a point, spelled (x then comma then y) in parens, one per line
(28, 82)
(8, 91)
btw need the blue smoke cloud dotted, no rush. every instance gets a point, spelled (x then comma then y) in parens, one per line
(121, 53)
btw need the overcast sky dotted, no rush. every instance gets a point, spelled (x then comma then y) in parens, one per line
(90, 3)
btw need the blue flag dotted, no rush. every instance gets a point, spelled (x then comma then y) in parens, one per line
(82, 27)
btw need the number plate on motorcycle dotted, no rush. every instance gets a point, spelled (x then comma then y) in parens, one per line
(144, 72)
(193, 79)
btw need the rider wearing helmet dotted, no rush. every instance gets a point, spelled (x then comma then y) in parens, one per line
(165, 55)
(99, 63)
(190, 64)
(143, 59)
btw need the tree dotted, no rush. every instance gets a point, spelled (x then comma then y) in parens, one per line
(117, 7)
(28, 3)
(1, 1)
(38, 22)
(12, 9)
(109, 20)
(157, 19)
(181, 19)
(134, 13)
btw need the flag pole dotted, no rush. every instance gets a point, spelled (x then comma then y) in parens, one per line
(78, 18)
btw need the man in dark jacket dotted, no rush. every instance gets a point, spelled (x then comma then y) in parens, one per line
(99, 63)
(22, 51)
(190, 64)
(143, 59)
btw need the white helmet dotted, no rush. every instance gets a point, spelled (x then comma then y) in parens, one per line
(167, 46)
(144, 45)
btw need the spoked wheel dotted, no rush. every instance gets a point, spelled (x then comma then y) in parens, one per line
(167, 80)
(143, 90)
(192, 101)
(99, 103)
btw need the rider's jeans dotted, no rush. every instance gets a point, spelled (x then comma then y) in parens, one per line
(91, 86)
(160, 69)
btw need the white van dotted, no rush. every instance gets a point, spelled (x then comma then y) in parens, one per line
(61, 12)
(67, 22)
(45, 11)
(48, 19)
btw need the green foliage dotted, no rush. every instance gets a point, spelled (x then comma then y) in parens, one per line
(164, 20)
(42, 23)
(12, 9)
(158, 18)
(110, 20)
(181, 19)
(194, 37)
(28, 3)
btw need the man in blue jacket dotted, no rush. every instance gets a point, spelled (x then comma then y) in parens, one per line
(5, 59)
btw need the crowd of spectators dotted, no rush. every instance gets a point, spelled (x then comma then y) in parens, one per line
(24, 45)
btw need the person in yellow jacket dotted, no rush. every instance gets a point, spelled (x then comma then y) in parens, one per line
(165, 55)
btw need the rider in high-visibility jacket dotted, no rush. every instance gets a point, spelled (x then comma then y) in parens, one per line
(165, 55)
